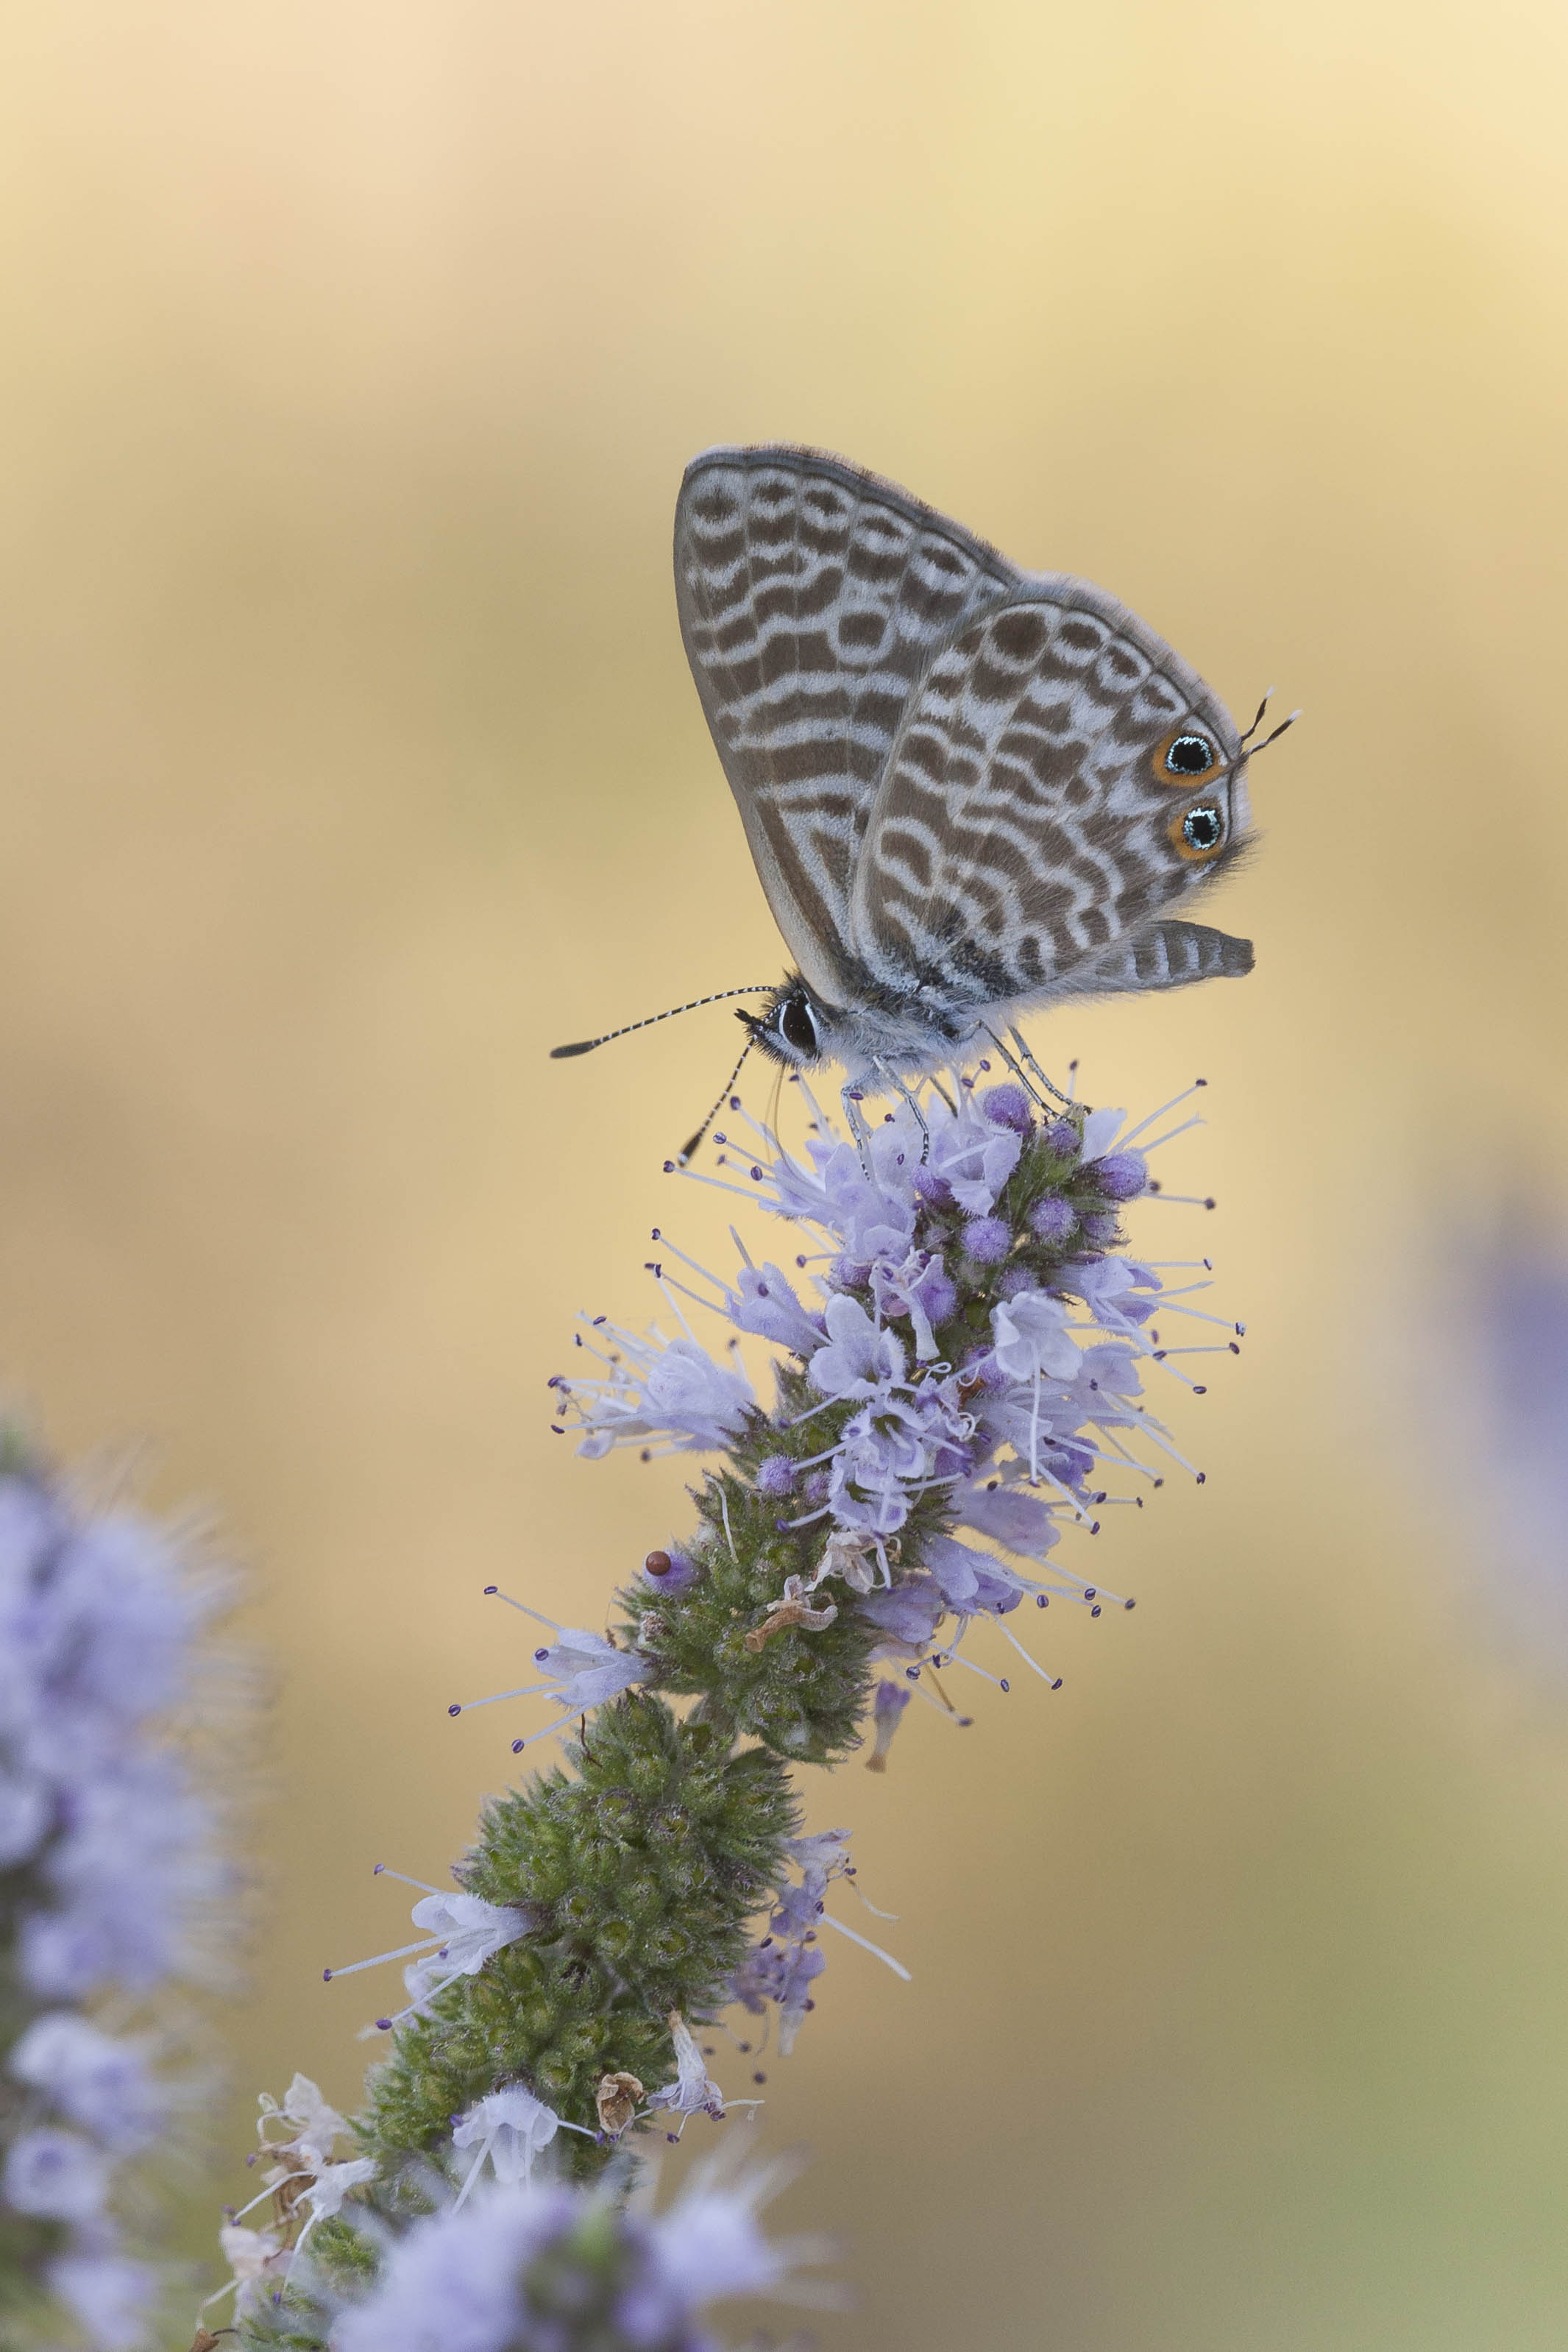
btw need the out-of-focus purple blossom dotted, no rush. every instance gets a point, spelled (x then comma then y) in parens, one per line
(1494, 1370)
(111, 2297)
(105, 2086)
(113, 1870)
(776, 1475)
(540, 2268)
(55, 2174)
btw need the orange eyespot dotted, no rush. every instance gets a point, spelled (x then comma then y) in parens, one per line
(1198, 832)
(1187, 756)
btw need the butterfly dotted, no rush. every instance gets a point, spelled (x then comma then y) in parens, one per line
(970, 791)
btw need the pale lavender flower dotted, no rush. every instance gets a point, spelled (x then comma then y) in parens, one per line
(466, 1930)
(510, 2128)
(502, 2273)
(107, 2086)
(114, 1874)
(55, 2174)
(858, 1359)
(582, 1669)
(671, 1391)
(111, 2297)
(693, 2091)
(783, 1965)
(1030, 1338)
(886, 1715)
(764, 1302)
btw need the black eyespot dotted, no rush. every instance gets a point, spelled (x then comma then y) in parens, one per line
(796, 1026)
(1201, 829)
(1190, 755)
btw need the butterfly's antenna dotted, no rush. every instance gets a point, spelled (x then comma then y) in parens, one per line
(1274, 738)
(565, 1053)
(1258, 722)
(686, 1149)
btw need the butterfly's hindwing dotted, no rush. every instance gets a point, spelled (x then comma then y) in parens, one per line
(1165, 955)
(812, 597)
(1023, 829)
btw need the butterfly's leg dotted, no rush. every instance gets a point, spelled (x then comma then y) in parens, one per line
(1034, 1065)
(849, 1095)
(894, 1081)
(1020, 1073)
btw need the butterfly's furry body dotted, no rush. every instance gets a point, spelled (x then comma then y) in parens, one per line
(886, 1034)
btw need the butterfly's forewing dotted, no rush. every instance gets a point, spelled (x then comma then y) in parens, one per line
(813, 597)
(1026, 833)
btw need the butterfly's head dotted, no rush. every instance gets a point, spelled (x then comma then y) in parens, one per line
(794, 1028)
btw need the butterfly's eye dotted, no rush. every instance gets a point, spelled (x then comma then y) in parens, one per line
(796, 1026)
(1184, 756)
(1200, 830)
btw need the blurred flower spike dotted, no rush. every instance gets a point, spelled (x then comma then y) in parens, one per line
(113, 1878)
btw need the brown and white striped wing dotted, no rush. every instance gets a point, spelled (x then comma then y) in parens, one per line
(1026, 838)
(813, 597)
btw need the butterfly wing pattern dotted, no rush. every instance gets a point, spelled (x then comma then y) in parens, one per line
(812, 597)
(959, 780)
(1027, 835)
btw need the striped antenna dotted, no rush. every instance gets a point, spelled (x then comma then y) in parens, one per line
(586, 1044)
(688, 1148)
(1258, 722)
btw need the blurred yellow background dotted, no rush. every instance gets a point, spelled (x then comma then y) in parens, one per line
(351, 356)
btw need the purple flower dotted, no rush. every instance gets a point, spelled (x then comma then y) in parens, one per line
(1050, 1220)
(860, 1360)
(988, 1240)
(909, 1613)
(1032, 1338)
(1121, 1176)
(463, 2279)
(764, 1302)
(774, 1475)
(106, 2086)
(1008, 1106)
(111, 2296)
(510, 2130)
(1108, 1286)
(1021, 1521)
(886, 1715)
(671, 1390)
(57, 2175)
(971, 1581)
